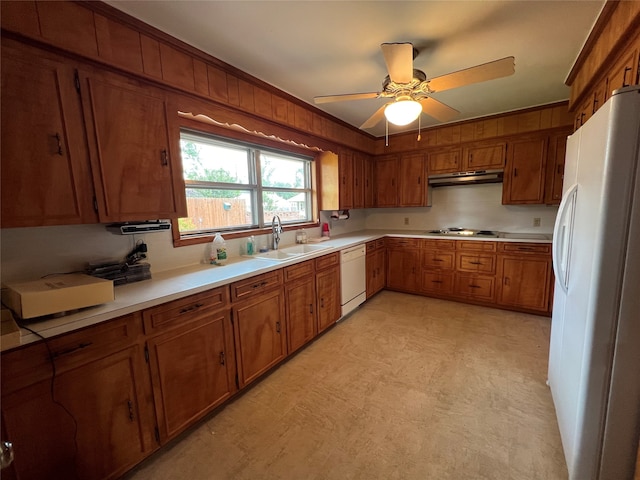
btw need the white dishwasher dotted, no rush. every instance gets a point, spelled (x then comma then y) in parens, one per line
(353, 277)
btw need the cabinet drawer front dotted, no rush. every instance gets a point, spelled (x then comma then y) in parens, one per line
(403, 242)
(255, 285)
(439, 244)
(30, 364)
(476, 246)
(538, 248)
(435, 282)
(440, 260)
(475, 286)
(299, 270)
(476, 263)
(178, 312)
(327, 261)
(371, 246)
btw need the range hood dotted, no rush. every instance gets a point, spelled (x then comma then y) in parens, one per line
(466, 178)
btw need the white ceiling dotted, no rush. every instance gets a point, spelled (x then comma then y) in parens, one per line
(310, 48)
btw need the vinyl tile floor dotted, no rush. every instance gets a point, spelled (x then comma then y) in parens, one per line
(406, 387)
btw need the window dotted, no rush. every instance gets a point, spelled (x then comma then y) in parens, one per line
(236, 186)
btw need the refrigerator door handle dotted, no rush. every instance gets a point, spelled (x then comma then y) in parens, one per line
(562, 237)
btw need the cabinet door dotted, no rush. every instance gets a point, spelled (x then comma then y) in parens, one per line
(447, 161)
(132, 170)
(476, 287)
(524, 174)
(412, 185)
(525, 282)
(386, 182)
(328, 297)
(375, 271)
(485, 156)
(402, 269)
(621, 74)
(358, 181)
(259, 335)
(199, 360)
(300, 306)
(98, 427)
(369, 198)
(345, 169)
(555, 170)
(45, 173)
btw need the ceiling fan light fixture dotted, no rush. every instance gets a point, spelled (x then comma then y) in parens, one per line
(403, 111)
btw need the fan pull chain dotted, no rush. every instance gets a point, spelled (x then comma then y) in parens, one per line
(419, 125)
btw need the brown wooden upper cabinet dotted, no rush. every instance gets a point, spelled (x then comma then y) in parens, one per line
(401, 181)
(475, 156)
(345, 180)
(82, 146)
(524, 175)
(555, 169)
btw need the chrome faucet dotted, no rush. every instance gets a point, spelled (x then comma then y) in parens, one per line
(276, 227)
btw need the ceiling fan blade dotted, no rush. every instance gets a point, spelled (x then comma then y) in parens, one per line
(438, 110)
(373, 120)
(341, 98)
(399, 60)
(480, 73)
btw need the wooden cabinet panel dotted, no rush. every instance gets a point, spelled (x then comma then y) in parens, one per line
(621, 74)
(525, 248)
(432, 244)
(393, 242)
(525, 282)
(444, 161)
(386, 171)
(469, 262)
(198, 359)
(412, 181)
(260, 335)
(326, 261)
(525, 172)
(375, 270)
(118, 44)
(437, 283)
(403, 269)
(369, 194)
(68, 25)
(256, 285)
(358, 181)
(304, 269)
(20, 16)
(476, 246)
(485, 156)
(180, 313)
(177, 67)
(217, 83)
(555, 170)
(99, 426)
(151, 62)
(45, 174)
(345, 167)
(475, 287)
(300, 308)
(328, 297)
(132, 168)
(438, 260)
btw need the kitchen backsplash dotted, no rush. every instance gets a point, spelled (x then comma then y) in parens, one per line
(29, 253)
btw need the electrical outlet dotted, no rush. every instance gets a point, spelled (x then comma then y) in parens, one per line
(536, 222)
(406, 220)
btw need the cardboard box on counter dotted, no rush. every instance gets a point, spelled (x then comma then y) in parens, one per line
(57, 294)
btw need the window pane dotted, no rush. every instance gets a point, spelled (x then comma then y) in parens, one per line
(289, 206)
(282, 172)
(211, 209)
(211, 162)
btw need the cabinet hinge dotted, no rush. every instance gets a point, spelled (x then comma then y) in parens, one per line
(156, 432)
(146, 354)
(76, 79)
(237, 381)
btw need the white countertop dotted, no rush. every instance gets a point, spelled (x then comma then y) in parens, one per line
(178, 283)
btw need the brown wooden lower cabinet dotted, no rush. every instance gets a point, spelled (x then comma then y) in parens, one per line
(475, 287)
(437, 283)
(525, 282)
(403, 265)
(198, 359)
(260, 335)
(328, 297)
(300, 304)
(93, 421)
(376, 267)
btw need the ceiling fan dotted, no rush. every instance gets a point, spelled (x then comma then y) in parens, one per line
(411, 91)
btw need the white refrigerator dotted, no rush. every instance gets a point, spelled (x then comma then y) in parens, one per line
(594, 354)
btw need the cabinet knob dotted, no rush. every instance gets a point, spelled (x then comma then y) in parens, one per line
(164, 157)
(58, 147)
(222, 359)
(278, 327)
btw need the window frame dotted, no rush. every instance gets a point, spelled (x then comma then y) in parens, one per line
(255, 186)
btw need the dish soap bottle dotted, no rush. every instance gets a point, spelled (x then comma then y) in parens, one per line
(251, 245)
(219, 249)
